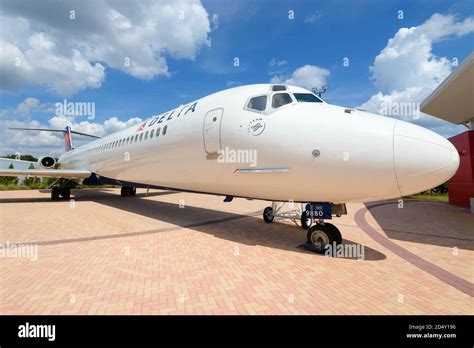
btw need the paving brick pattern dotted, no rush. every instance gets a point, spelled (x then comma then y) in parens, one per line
(104, 254)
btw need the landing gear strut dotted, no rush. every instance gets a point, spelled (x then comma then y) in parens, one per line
(321, 234)
(58, 193)
(270, 213)
(128, 191)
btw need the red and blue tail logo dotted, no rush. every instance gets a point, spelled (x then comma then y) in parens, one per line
(142, 126)
(68, 139)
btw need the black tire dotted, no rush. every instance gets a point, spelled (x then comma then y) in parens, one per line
(133, 191)
(306, 220)
(336, 233)
(66, 193)
(268, 215)
(55, 191)
(320, 236)
(124, 191)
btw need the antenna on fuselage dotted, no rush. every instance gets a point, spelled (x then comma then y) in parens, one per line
(324, 89)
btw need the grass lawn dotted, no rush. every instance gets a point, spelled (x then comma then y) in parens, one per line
(435, 197)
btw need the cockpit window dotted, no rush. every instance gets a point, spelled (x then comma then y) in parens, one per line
(276, 88)
(258, 103)
(307, 98)
(281, 99)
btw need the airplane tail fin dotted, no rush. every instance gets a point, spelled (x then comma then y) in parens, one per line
(68, 145)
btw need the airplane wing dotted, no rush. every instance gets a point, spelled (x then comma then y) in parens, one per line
(50, 173)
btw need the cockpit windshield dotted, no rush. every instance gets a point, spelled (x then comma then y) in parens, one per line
(307, 98)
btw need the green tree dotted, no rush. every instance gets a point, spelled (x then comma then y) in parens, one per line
(9, 180)
(31, 180)
(22, 157)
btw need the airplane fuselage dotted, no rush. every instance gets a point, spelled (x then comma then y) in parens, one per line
(301, 151)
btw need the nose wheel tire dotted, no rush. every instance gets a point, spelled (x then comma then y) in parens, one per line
(336, 233)
(320, 236)
(268, 215)
(306, 220)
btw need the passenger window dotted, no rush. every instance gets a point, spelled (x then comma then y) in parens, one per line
(152, 133)
(141, 137)
(164, 130)
(258, 103)
(281, 99)
(146, 135)
(136, 138)
(158, 131)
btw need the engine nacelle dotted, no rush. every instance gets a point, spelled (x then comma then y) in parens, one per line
(47, 162)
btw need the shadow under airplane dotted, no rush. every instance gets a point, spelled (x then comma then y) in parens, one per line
(248, 229)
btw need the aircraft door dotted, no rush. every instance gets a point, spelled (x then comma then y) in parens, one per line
(212, 131)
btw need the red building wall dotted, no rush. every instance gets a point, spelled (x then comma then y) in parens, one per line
(461, 185)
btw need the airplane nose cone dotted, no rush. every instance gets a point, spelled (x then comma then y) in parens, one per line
(423, 159)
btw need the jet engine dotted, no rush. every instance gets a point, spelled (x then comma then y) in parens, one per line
(46, 162)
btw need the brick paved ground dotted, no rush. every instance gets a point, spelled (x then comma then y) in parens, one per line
(104, 254)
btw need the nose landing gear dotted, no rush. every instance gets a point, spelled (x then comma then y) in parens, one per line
(321, 234)
(270, 213)
(268, 216)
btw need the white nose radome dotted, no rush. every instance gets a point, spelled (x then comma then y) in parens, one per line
(423, 159)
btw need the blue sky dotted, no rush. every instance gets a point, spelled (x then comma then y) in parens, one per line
(321, 34)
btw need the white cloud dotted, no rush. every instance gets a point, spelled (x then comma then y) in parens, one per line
(68, 55)
(48, 143)
(214, 21)
(27, 105)
(110, 125)
(31, 105)
(407, 71)
(408, 61)
(307, 76)
(26, 142)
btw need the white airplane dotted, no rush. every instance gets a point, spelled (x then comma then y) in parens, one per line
(270, 142)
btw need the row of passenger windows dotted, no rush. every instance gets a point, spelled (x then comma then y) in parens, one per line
(279, 99)
(129, 140)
